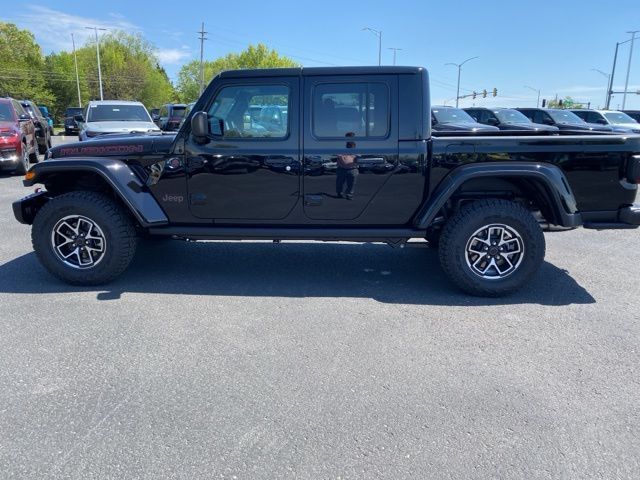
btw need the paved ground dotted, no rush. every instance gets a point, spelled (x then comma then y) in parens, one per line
(314, 361)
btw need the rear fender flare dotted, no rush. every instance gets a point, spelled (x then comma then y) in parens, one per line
(549, 177)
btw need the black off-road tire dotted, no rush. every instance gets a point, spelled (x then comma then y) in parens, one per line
(456, 256)
(117, 226)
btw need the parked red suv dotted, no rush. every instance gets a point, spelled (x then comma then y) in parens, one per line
(18, 144)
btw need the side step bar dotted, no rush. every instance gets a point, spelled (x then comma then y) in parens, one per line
(283, 233)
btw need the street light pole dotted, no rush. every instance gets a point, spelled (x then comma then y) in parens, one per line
(608, 76)
(378, 34)
(626, 82)
(202, 39)
(95, 29)
(394, 53)
(459, 65)
(537, 90)
(75, 60)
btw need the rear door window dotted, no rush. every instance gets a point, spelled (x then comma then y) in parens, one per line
(359, 110)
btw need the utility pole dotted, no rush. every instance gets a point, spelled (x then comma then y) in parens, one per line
(202, 39)
(537, 90)
(378, 34)
(95, 29)
(459, 65)
(75, 60)
(626, 82)
(608, 76)
(613, 74)
(394, 53)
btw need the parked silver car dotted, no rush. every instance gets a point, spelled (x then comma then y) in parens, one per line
(115, 116)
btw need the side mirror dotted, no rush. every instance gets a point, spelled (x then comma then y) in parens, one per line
(602, 121)
(547, 121)
(492, 121)
(78, 118)
(24, 117)
(200, 125)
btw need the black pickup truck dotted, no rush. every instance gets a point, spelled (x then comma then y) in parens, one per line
(327, 154)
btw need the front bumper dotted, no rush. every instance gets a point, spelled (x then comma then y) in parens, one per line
(9, 158)
(26, 208)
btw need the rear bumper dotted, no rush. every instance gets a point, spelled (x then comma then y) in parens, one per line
(626, 217)
(630, 215)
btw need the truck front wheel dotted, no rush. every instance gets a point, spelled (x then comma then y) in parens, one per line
(84, 238)
(491, 247)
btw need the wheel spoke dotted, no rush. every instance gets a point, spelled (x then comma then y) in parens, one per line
(494, 251)
(78, 241)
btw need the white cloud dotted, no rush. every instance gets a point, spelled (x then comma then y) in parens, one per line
(53, 28)
(171, 55)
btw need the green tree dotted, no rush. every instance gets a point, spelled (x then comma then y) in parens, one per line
(567, 102)
(130, 71)
(258, 56)
(22, 65)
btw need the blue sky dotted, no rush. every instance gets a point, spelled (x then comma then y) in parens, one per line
(547, 45)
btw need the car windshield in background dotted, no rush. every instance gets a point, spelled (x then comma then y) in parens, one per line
(29, 110)
(511, 116)
(118, 113)
(452, 115)
(5, 112)
(619, 117)
(70, 112)
(178, 111)
(563, 116)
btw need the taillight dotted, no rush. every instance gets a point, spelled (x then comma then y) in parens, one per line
(633, 170)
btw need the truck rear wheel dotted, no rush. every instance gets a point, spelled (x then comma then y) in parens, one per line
(84, 238)
(491, 247)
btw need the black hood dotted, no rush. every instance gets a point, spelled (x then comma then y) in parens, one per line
(463, 127)
(529, 127)
(583, 127)
(115, 145)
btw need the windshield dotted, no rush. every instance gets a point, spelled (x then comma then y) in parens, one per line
(451, 115)
(619, 117)
(178, 111)
(511, 116)
(564, 116)
(5, 112)
(118, 113)
(70, 112)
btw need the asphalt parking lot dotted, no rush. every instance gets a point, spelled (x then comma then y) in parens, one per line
(316, 361)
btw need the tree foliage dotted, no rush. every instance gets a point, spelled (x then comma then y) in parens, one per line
(21, 65)
(130, 70)
(258, 56)
(566, 102)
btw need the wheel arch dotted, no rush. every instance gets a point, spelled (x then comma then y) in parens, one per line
(113, 177)
(542, 184)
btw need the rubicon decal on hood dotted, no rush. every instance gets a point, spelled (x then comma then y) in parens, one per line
(101, 150)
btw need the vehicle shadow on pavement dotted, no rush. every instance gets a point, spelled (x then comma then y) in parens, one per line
(290, 269)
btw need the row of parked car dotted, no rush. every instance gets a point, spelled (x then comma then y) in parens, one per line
(24, 134)
(532, 121)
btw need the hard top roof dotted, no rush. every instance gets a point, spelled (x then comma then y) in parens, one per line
(306, 71)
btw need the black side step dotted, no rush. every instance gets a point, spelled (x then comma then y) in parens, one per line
(280, 233)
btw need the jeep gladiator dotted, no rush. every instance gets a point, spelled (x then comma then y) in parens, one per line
(327, 154)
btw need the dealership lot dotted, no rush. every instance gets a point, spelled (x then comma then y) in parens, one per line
(318, 360)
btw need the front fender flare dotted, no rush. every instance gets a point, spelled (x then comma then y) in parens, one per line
(125, 183)
(549, 176)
